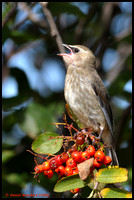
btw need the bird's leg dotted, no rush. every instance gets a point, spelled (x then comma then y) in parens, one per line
(101, 131)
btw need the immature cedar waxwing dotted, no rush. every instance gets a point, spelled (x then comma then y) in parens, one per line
(86, 95)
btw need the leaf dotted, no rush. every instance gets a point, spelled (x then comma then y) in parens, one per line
(65, 7)
(70, 182)
(7, 155)
(72, 115)
(37, 117)
(115, 193)
(20, 37)
(84, 168)
(112, 175)
(6, 8)
(92, 182)
(16, 179)
(12, 103)
(31, 117)
(17, 36)
(46, 144)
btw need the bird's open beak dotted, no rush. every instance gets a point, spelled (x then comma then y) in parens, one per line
(66, 54)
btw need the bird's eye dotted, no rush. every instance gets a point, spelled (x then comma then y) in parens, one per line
(75, 50)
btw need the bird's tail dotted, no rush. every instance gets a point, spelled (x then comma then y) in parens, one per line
(114, 157)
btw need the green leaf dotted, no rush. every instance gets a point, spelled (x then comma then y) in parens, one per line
(37, 117)
(70, 182)
(7, 155)
(10, 104)
(79, 124)
(17, 179)
(46, 144)
(115, 193)
(65, 7)
(6, 6)
(112, 175)
(92, 182)
(20, 37)
(31, 117)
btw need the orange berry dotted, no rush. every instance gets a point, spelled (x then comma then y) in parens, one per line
(74, 191)
(45, 166)
(99, 155)
(107, 160)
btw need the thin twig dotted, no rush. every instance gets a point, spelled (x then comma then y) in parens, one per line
(21, 22)
(31, 16)
(83, 23)
(53, 27)
(124, 50)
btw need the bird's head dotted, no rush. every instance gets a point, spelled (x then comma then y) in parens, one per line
(79, 55)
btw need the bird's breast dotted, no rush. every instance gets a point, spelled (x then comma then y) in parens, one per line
(83, 101)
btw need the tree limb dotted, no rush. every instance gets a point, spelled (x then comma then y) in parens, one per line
(31, 16)
(52, 25)
(9, 14)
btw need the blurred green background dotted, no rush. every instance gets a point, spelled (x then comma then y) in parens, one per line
(33, 80)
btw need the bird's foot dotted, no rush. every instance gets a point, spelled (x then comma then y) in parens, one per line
(98, 138)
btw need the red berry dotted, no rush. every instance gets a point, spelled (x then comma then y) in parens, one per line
(96, 163)
(64, 157)
(72, 149)
(48, 173)
(99, 155)
(80, 138)
(92, 169)
(91, 150)
(75, 171)
(38, 169)
(68, 171)
(58, 159)
(85, 155)
(54, 162)
(74, 191)
(107, 160)
(76, 155)
(71, 162)
(60, 170)
(45, 166)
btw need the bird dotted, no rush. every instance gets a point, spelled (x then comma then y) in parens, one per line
(87, 96)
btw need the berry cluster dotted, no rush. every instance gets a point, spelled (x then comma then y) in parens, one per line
(65, 164)
(85, 147)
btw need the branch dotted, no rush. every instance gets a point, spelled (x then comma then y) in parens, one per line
(31, 16)
(9, 14)
(52, 25)
(83, 23)
(109, 10)
(21, 22)
(124, 51)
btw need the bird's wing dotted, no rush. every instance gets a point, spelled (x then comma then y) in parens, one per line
(103, 99)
